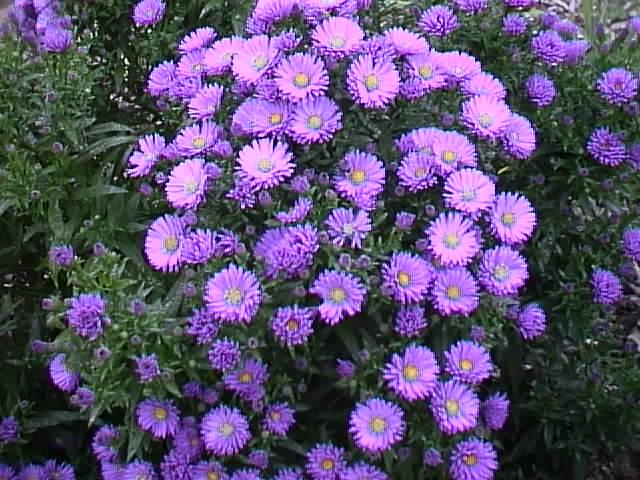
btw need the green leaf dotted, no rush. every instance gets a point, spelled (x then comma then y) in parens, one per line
(56, 222)
(99, 191)
(52, 418)
(105, 144)
(109, 127)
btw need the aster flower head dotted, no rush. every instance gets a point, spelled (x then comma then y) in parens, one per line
(412, 375)
(287, 252)
(160, 418)
(201, 37)
(345, 368)
(146, 156)
(187, 184)
(495, 410)
(315, 120)
(373, 83)
(473, 459)
(56, 39)
(432, 457)
(147, 13)
(300, 76)
(407, 276)
(519, 137)
(203, 326)
(9, 430)
(455, 407)
(265, 163)
(61, 376)
(292, 325)
(531, 321)
(606, 147)
(218, 58)
(61, 255)
(163, 243)
(147, 368)
(575, 51)
(540, 90)
(455, 291)
(337, 37)
(460, 66)
(417, 172)
(485, 116)
(452, 151)
(631, 243)
(410, 321)
(206, 103)
(484, 84)
(514, 25)
(502, 271)
(161, 79)
(224, 354)
(548, 47)
(233, 295)
(278, 419)
(104, 443)
(512, 218)
(6, 472)
(198, 247)
(362, 471)
(406, 42)
(297, 213)
(607, 287)
(58, 470)
(86, 315)
(453, 239)
(199, 139)
(191, 65)
(247, 379)
(289, 474)
(342, 295)
(137, 470)
(468, 362)
(208, 470)
(376, 425)
(325, 461)
(225, 431)
(634, 25)
(253, 58)
(348, 227)
(362, 176)
(425, 74)
(438, 21)
(32, 472)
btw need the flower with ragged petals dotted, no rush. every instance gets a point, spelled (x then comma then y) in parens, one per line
(191, 65)
(618, 86)
(342, 295)
(407, 277)
(519, 137)
(540, 90)
(133, 471)
(362, 176)
(502, 271)
(225, 431)
(469, 191)
(376, 425)
(416, 172)
(362, 471)
(233, 295)
(147, 13)
(201, 37)
(297, 213)
(187, 184)
(254, 58)
(247, 380)
(607, 287)
(206, 103)
(455, 407)
(158, 417)
(149, 152)
(218, 58)
(300, 76)
(410, 321)
(607, 147)
(485, 116)
(452, 151)
(287, 252)
(198, 139)
(548, 46)
(484, 84)
(315, 120)
(346, 226)
(512, 218)
(258, 117)
(460, 66)
(161, 79)
(265, 163)
(531, 321)
(413, 374)
(337, 37)
(371, 82)
(455, 291)
(292, 325)
(631, 243)
(468, 362)
(438, 21)
(514, 24)
(453, 239)
(427, 71)
(495, 410)
(406, 42)
(163, 243)
(473, 459)
(325, 461)
(278, 419)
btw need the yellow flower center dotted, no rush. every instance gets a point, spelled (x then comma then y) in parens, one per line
(233, 296)
(199, 142)
(466, 364)
(301, 80)
(265, 165)
(358, 176)
(452, 407)
(337, 295)
(260, 62)
(449, 157)
(371, 82)
(191, 186)
(275, 119)
(470, 460)
(275, 416)
(485, 120)
(292, 325)
(451, 240)
(454, 293)
(508, 218)
(348, 229)
(410, 373)
(501, 272)
(420, 172)
(468, 195)
(170, 243)
(327, 464)
(226, 429)
(159, 413)
(378, 424)
(194, 442)
(314, 122)
(404, 279)
(337, 42)
(425, 71)
(213, 476)
(246, 377)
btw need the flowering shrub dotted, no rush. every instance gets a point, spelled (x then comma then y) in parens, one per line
(41, 24)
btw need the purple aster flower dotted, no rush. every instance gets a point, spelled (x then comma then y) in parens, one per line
(82, 398)
(416, 172)
(150, 149)
(315, 120)
(455, 407)
(225, 431)
(197, 39)
(455, 292)
(278, 419)
(325, 461)
(218, 58)
(292, 325)
(618, 86)
(202, 325)
(198, 247)
(438, 21)
(406, 42)
(187, 443)
(519, 138)
(473, 459)
(160, 418)
(63, 378)
(410, 321)
(287, 252)
(297, 213)
(224, 354)
(361, 178)
(575, 51)
(199, 139)
(405, 220)
(427, 71)
(9, 430)
(233, 295)
(137, 470)
(432, 457)
(161, 79)
(247, 379)
(7, 473)
(147, 368)
(607, 288)
(345, 226)
(261, 118)
(111, 470)
(191, 65)
(58, 470)
(512, 218)
(345, 368)
(362, 471)
(163, 243)
(206, 103)
(540, 90)
(514, 25)
(246, 474)
(253, 58)
(56, 39)
(548, 46)
(259, 459)
(295, 473)
(86, 315)
(376, 425)
(468, 362)
(337, 37)
(342, 295)
(469, 191)
(607, 147)
(175, 466)
(104, 444)
(148, 13)
(495, 410)
(412, 375)
(485, 116)
(208, 470)
(265, 164)
(459, 66)
(61, 255)
(631, 243)
(32, 472)
(452, 151)
(531, 321)
(502, 271)
(407, 277)
(371, 82)
(453, 239)
(300, 76)
(192, 389)
(484, 84)
(418, 140)
(210, 396)
(634, 25)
